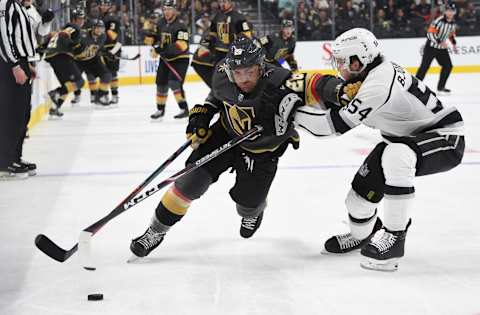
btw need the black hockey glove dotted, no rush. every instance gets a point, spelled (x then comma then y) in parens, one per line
(199, 121)
(159, 50)
(293, 64)
(294, 139)
(47, 16)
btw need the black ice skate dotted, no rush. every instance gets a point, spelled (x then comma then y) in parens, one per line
(182, 114)
(13, 172)
(158, 114)
(345, 243)
(384, 250)
(31, 167)
(444, 91)
(103, 102)
(250, 226)
(54, 113)
(143, 245)
(93, 97)
(76, 99)
(114, 99)
(55, 97)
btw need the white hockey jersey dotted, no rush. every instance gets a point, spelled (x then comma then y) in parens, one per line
(391, 100)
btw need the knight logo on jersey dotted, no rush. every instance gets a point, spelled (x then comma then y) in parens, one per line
(239, 118)
(223, 30)
(166, 39)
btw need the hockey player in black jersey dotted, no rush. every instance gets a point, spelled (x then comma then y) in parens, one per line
(59, 53)
(112, 48)
(88, 57)
(281, 46)
(421, 137)
(240, 95)
(226, 25)
(170, 43)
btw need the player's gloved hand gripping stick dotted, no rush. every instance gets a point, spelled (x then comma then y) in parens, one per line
(52, 250)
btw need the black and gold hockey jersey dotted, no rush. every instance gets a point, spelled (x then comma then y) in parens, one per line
(240, 111)
(278, 49)
(112, 32)
(65, 41)
(90, 46)
(149, 31)
(171, 39)
(225, 27)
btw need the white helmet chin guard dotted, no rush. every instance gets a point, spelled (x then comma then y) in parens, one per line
(357, 42)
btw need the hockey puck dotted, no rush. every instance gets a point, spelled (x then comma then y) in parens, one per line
(90, 268)
(95, 297)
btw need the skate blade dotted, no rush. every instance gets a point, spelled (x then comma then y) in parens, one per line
(134, 259)
(325, 252)
(155, 120)
(103, 107)
(13, 177)
(444, 93)
(389, 265)
(54, 117)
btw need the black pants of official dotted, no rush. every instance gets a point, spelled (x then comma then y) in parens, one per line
(443, 59)
(14, 114)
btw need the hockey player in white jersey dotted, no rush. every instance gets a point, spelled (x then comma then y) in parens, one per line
(420, 137)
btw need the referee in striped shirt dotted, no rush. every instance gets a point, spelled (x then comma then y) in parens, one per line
(440, 30)
(17, 44)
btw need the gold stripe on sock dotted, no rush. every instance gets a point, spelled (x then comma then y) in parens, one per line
(70, 86)
(161, 99)
(178, 96)
(174, 202)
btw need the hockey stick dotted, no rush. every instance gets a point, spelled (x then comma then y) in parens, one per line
(127, 58)
(169, 66)
(52, 250)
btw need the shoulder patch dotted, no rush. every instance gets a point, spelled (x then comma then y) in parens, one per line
(222, 67)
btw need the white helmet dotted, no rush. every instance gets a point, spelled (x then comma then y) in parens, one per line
(357, 42)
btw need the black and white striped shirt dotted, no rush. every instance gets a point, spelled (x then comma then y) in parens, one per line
(17, 39)
(440, 30)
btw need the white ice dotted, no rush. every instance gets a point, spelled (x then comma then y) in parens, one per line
(89, 161)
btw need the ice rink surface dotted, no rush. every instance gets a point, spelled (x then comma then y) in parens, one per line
(91, 159)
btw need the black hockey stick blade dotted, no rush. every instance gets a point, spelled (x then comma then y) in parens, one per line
(135, 57)
(52, 250)
(49, 248)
